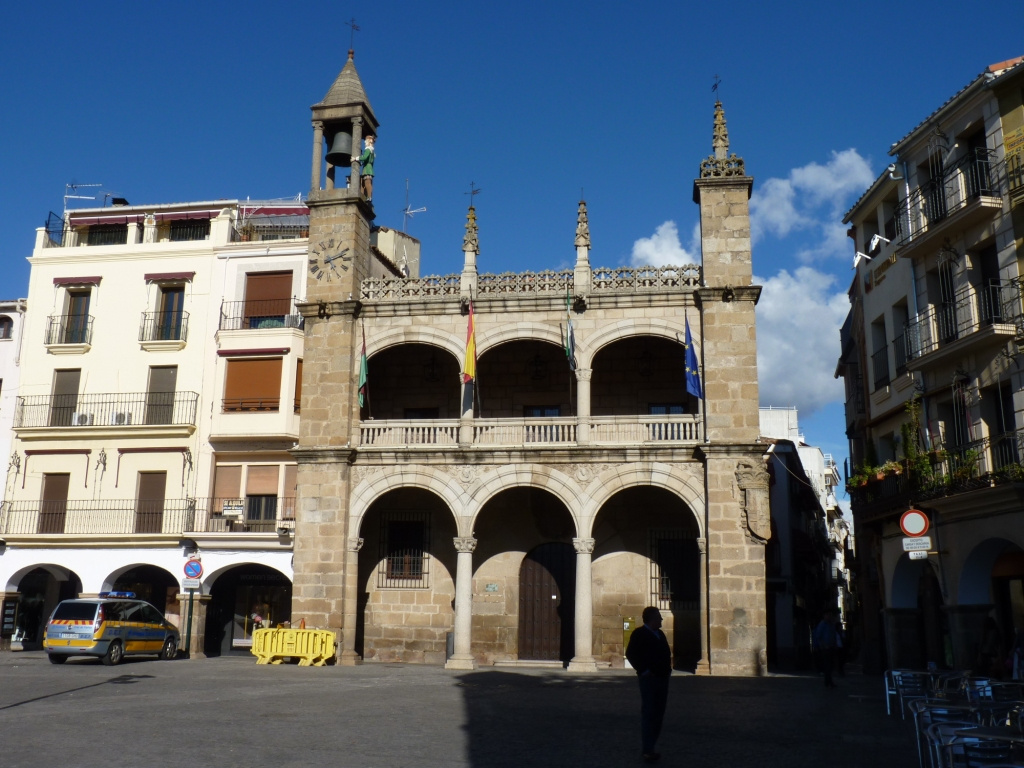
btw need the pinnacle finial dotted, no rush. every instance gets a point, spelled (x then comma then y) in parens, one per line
(720, 134)
(471, 241)
(721, 163)
(582, 226)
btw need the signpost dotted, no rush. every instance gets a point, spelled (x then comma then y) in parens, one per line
(193, 570)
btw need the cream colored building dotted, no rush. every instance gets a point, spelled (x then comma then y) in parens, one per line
(12, 314)
(936, 324)
(160, 360)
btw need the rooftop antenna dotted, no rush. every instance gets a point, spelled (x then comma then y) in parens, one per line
(71, 189)
(352, 35)
(407, 212)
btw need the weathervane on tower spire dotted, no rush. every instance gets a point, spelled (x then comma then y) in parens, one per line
(352, 36)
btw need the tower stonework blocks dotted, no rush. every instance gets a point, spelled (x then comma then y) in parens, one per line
(736, 481)
(339, 259)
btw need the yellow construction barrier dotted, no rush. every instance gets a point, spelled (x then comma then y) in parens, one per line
(312, 647)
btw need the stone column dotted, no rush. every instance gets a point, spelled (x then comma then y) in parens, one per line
(350, 615)
(583, 661)
(463, 656)
(197, 641)
(357, 150)
(583, 405)
(703, 663)
(318, 153)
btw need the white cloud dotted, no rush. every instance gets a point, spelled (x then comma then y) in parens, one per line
(845, 175)
(811, 198)
(663, 247)
(798, 320)
(772, 210)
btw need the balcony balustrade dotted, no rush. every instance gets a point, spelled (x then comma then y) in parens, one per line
(259, 314)
(254, 514)
(68, 329)
(107, 410)
(976, 175)
(532, 432)
(971, 311)
(164, 326)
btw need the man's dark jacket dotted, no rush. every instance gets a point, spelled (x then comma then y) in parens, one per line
(648, 650)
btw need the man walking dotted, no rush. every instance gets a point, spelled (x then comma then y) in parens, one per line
(648, 653)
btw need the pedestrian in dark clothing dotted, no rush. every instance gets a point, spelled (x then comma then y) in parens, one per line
(648, 653)
(824, 641)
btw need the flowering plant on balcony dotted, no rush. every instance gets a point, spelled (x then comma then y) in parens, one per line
(892, 467)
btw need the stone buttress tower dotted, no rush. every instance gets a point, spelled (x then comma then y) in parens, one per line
(738, 519)
(325, 560)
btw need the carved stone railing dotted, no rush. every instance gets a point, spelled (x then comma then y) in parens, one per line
(645, 278)
(408, 288)
(406, 433)
(525, 282)
(681, 428)
(520, 432)
(532, 432)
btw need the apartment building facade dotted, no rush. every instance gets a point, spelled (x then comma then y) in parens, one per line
(931, 362)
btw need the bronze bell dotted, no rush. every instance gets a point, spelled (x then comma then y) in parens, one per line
(341, 149)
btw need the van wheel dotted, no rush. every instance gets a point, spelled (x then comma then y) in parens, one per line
(170, 650)
(114, 654)
(57, 658)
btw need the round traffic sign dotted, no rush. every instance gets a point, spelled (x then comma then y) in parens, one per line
(193, 569)
(914, 522)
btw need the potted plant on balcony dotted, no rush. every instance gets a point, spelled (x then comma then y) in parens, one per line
(892, 467)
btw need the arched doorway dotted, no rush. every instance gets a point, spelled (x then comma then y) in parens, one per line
(243, 599)
(547, 603)
(39, 592)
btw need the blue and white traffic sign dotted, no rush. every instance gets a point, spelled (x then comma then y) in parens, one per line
(193, 569)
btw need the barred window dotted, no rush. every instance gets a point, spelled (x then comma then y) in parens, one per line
(675, 569)
(404, 557)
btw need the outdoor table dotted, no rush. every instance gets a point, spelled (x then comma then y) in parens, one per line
(994, 733)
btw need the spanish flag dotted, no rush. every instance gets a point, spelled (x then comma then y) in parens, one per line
(469, 367)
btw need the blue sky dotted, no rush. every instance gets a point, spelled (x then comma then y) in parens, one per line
(530, 101)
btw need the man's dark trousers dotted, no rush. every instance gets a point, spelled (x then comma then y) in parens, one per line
(653, 697)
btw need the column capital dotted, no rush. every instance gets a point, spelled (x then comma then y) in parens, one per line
(464, 543)
(584, 546)
(354, 545)
(318, 125)
(584, 374)
(702, 546)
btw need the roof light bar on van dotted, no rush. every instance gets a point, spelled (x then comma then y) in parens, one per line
(126, 595)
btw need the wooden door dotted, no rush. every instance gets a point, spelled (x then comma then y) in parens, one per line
(160, 396)
(547, 600)
(64, 402)
(53, 508)
(149, 505)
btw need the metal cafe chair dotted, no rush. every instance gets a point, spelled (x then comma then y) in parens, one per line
(980, 753)
(910, 686)
(938, 736)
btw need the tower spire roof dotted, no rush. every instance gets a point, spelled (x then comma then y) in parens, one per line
(720, 163)
(347, 88)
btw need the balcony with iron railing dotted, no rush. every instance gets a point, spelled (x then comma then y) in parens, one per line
(248, 232)
(117, 409)
(75, 330)
(976, 465)
(259, 314)
(974, 316)
(171, 517)
(164, 326)
(967, 192)
(531, 433)
(1015, 175)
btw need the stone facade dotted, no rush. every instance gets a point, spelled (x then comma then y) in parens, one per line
(530, 513)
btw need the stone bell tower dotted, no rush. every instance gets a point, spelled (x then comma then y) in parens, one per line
(340, 218)
(738, 520)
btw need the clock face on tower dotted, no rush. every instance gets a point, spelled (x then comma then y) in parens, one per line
(328, 259)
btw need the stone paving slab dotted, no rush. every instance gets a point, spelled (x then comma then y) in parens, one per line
(231, 712)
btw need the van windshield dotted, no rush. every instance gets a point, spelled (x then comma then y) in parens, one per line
(75, 612)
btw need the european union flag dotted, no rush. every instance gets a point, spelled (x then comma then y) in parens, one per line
(692, 369)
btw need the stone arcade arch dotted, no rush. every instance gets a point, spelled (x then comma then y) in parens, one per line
(648, 551)
(917, 627)
(404, 606)
(38, 589)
